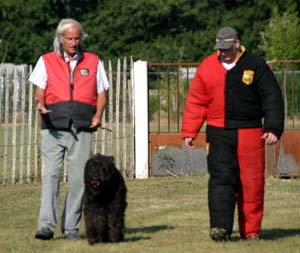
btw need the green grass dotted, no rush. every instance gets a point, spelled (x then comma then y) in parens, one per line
(164, 215)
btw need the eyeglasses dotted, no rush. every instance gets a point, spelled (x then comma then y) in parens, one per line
(225, 51)
(229, 50)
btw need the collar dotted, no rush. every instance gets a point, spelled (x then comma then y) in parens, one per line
(243, 49)
(77, 57)
(67, 59)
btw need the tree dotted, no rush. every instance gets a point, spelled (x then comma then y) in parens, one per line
(152, 30)
(280, 39)
(28, 26)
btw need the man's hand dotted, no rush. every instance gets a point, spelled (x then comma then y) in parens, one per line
(96, 122)
(101, 100)
(42, 109)
(270, 138)
(189, 142)
(39, 101)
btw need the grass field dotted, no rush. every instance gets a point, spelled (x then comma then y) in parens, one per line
(164, 215)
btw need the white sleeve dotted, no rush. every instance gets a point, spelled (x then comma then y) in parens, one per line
(102, 82)
(39, 75)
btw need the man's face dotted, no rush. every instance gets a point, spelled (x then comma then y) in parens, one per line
(71, 41)
(231, 54)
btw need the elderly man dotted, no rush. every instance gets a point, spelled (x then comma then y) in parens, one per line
(71, 96)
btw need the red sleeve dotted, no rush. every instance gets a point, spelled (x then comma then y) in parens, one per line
(195, 110)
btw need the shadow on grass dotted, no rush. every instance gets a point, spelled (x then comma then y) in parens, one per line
(147, 230)
(132, 231)
(276, 233)
(271, 234)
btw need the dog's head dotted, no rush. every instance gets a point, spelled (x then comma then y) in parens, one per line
(98, 173)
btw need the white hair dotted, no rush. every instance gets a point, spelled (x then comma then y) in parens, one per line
(64, 25)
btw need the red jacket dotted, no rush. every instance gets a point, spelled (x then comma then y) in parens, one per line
(235, 98)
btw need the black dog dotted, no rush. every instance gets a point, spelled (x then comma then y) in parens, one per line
(104, 200)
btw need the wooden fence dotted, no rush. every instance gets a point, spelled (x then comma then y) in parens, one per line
(19, 124)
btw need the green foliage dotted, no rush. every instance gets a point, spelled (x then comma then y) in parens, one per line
(153, 106)
(165, 160)
(27, 26)
(152, 30)
(280, 39)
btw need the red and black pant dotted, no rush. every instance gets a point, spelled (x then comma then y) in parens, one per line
(236, 168)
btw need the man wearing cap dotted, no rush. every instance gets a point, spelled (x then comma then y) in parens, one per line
(237, 95)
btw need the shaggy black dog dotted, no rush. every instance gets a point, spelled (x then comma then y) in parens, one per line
(104, 200)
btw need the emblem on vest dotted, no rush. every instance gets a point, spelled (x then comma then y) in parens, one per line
(248, 76)
(84, 72)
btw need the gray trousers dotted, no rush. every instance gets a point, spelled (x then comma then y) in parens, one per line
(55, 145)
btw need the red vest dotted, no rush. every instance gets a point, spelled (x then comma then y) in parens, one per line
(58, 86)
(70, 101)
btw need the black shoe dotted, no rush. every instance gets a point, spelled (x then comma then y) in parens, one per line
(219, 234)
(44, 234)
(72, 236)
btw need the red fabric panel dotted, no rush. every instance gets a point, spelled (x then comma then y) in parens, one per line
(251, 157)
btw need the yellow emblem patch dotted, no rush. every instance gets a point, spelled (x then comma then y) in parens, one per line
(248, 76)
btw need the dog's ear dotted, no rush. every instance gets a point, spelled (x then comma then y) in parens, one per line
(111, 159)
(97, 156)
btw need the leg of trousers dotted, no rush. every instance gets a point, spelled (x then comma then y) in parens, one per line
(224, 176)
(251, 157)
(52, 162)
(55, 145)
(77, 155)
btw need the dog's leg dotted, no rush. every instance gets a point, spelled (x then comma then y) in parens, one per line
(90, 225)
(116, 217)
(115, 225)
(95, 224)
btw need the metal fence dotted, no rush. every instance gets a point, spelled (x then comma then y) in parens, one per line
(168, 86)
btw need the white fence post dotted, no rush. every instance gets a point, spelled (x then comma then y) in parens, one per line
(140, 88)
